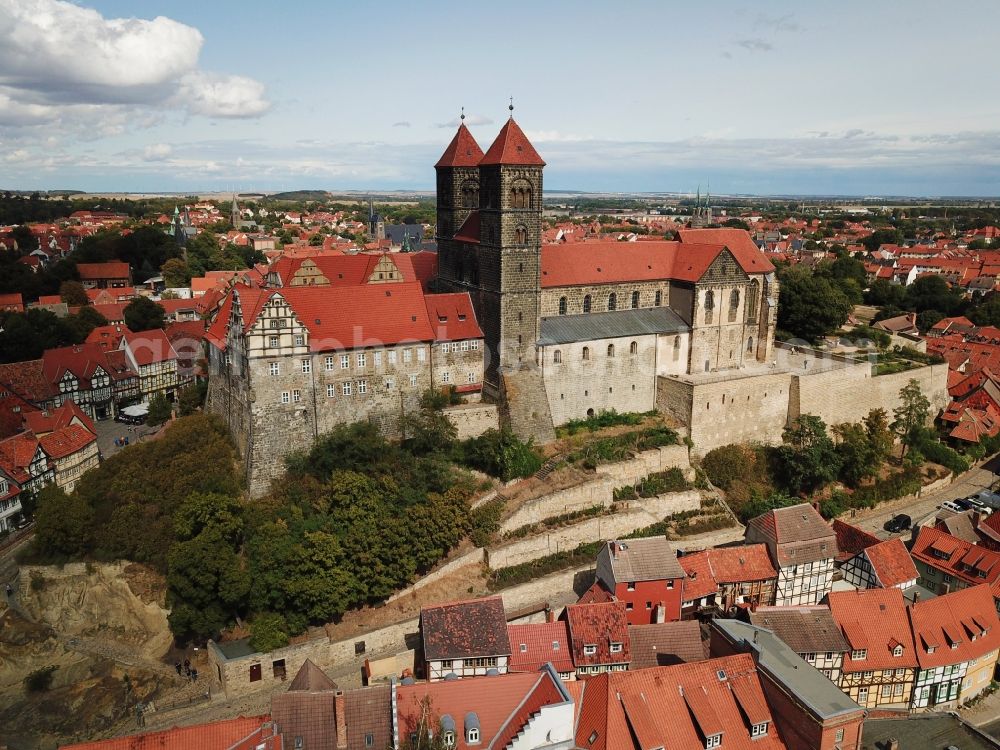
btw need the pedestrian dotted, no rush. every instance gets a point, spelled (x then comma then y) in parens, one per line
(177, 666)
(194, 675)
(10, 590)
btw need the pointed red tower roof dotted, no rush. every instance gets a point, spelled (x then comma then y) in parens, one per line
(512, 147)
(463, 151)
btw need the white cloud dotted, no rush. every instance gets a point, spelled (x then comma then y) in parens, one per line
(402, 124)
(157, 152)
(62, 63)
(755, 45)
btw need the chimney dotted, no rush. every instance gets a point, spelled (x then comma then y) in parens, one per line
(892, 744)
(916, 596)
(614, 549)
(550, 614)
(338, 710)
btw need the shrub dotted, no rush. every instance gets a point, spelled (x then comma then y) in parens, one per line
(898, 484)
(515, 574)
(601, 420)
(485, 521)
(268, 631)
(941, 454)
(728, 464)
(671, 480)
(500, 453)
(40, 680)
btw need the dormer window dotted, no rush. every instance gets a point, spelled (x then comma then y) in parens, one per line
(759, 730)
(859, 654)
(898, 650)
(449, 739)
(524, 648)
(589, 649)
(616, 648)
(473, 736)
(713, 740)
(472, 728)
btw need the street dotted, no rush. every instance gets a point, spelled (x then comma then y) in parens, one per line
(973, 481)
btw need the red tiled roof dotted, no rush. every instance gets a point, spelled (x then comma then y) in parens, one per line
(891, 562)
(12, 300)
(215, 736)
(677, 706)
(452, 317)
(597, 593)
(463, 151)
(476, 627)
(109, 336)
(67, 440)
(26, 379)
(150, 347)
(534, 644)
(16, 453)
(98, 271)
(502, 704)
(470, 229)
(708, 568)
(739, 242)
(511, 147)
(874, 620)
(600, 625)
(953, 624)
(946, 553)
(662, 644)
(82, 360)
(797, 524)
(851, 539)
(62, 416)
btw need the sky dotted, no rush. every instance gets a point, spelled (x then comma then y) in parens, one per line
(770, 98)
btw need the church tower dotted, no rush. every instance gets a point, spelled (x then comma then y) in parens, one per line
(457, 197)
(235, 218)
(510, 249)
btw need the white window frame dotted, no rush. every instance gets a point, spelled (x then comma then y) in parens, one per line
(421, 354)
(274, 369)
(465, 346)
(445, 377)
(286, 397)
(296, 396)
(345, 361)
(407, 355)
(589, 649)
(362, 387)
(390, 356)
(362, 359)
(274, 341)
(328, 364)
(413, 381)
(346, 389)
(306, 366)
(378, 359)
(331, 390)
(300, 339)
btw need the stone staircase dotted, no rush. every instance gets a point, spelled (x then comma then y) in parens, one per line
(548, 467)
(525, 407)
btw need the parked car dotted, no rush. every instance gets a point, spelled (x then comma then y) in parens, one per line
(898, 523)
(953, 506)
(964, 504)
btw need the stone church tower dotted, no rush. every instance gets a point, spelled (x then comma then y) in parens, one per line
(489, 214)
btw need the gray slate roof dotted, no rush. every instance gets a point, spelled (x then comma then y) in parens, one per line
(646, 559)
(808, 684)
(564, 329)
(927, 732)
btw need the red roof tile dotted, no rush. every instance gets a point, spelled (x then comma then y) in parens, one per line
(476, 627)
(511, 147)
(874, 620)
(946, 553)
(215, 736)
(452, 317)
(470, 229)
(99, 271)
(954, 625)
(599, 625)
(739, 242)
(891, 562)
(851, 539)
(27, 379)
(463, 151)
(67, 440)
(62, 416)
(534, 644)
(150, 347)
(677, 706)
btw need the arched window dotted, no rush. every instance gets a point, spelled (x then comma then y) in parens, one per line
(734, 304)
(557, 356)
(470, 194)
(658, 300)
(586, 352)
(612, 301)
(562, 305)
(709, 305)
(586, 303)
(633, 348)
(611, 350)
(521, 234)
(635, 299)
(752, 294)
(520, 194)
(677, 348)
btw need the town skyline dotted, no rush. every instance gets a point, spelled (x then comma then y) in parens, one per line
(778, 101)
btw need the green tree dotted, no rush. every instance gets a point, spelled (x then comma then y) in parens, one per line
(84, 322)
(192, 397)
(159, 410)
(911, 414)
(927, 319)
(883, 292)
(24, 239)
(933, 293)
(808, 458)
(810, 306)
(175, 273)
(63, 523)
(879, 434)
(142, 314)
(73, 293)
(859, 459)
(987, 312)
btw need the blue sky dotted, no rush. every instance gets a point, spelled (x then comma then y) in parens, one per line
(854, 98)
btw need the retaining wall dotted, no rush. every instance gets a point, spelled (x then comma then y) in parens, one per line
(472, 420)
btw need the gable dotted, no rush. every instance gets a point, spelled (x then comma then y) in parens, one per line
(724, 270)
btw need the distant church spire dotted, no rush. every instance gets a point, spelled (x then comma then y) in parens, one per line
(234, 213)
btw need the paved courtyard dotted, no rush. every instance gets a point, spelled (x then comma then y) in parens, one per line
(108, 430)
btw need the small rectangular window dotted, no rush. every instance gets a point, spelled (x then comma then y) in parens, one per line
(306, 366)
(361, 359)
(300, 340)
(474, 344)
(445, 377)
(445, 347)
(378, 359)
(331, 390)
(285, 397)
(328, 363)
(421, 354)
(296, 396)
(391, 356)
(389, 384)
(362, 386)
(346, 389)
(273, 368)
(413, 380)
(273, 341)
(472, 377)
(407, 355)
(345, 361)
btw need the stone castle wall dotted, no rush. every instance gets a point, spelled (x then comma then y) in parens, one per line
(472, 420)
